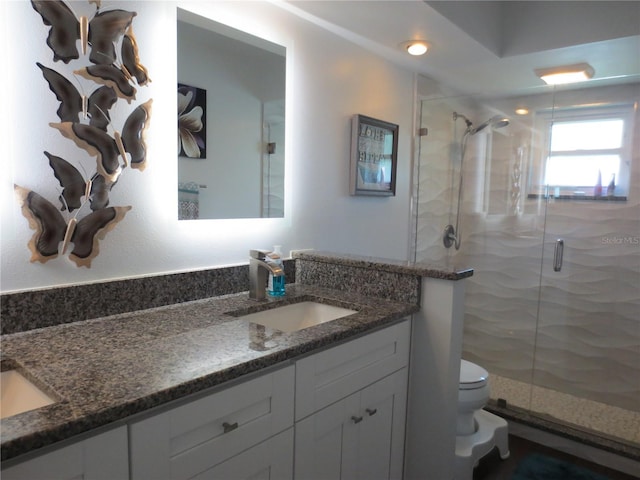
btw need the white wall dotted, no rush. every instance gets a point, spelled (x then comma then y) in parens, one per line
(329, 80)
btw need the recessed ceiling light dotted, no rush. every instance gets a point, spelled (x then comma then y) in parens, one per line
(565, 74)
(416, 47)
(522, 111)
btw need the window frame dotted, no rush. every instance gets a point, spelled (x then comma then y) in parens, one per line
(544, 123)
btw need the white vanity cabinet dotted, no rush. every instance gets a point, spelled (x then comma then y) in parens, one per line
(350, 408)
(245, 429)
(101, 457)
(350, 403)
(341, 410)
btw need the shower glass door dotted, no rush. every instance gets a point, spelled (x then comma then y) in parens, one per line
(587, 356)
(562, 343)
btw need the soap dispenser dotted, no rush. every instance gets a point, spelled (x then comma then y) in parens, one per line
(275, 287)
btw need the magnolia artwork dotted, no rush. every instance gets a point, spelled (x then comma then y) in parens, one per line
(84, 216)
(192, 121)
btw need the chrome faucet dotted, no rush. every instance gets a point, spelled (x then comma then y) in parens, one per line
(259, 270)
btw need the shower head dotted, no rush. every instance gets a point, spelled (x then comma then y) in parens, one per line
(496, 121)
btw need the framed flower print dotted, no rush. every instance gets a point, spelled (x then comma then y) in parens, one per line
(192, 121)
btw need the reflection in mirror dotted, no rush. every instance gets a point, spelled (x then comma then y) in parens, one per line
(243, 76)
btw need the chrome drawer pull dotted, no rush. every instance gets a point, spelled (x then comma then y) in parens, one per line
(557, 255)
(371, 411)
(229, 427)
(356, 419)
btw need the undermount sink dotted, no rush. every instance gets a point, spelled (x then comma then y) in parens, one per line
(298, 316)
(19, 394)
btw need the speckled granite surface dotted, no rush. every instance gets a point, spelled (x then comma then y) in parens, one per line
(106, 369)
(395, 280)
(23, 311)
(382, 265)
(376, 283)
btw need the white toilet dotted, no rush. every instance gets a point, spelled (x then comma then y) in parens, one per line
(477, 431)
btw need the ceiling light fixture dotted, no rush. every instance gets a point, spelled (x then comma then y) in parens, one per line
(565, 74)
(416, 47)
(522, 111)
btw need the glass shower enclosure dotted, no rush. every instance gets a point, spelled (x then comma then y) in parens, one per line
(549, 219)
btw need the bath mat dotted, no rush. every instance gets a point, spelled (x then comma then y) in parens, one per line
(540, 467)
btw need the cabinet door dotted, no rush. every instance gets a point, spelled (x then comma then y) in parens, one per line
(376, 449)
(328, 376)
(269, 460)
(192, 438)
(320, 440)
(103, 457)
(359, 437)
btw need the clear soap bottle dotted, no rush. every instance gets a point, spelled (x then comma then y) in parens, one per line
(276, 287)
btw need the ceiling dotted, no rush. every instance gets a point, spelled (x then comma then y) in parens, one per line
(490, 46)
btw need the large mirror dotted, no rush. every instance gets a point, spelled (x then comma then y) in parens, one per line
(231, 122)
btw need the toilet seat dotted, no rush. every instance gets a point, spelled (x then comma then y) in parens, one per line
(472, 376)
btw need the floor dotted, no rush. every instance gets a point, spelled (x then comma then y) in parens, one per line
(492, 467)
(609, 420)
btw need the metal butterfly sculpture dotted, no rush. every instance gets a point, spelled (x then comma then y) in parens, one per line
(108, 149)
(101, 32)
(86, 120)
(51, 229)
(73, 103)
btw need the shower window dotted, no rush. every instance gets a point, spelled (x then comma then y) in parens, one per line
(589, 149)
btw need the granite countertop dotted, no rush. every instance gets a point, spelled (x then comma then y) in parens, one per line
(106, 369)
(442, 271)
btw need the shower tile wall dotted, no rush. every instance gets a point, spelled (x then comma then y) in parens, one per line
(580, 362)
(434, 191)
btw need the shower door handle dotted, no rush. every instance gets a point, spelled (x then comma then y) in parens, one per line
(557, 255)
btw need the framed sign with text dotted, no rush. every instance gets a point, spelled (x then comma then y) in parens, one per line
(374, 156)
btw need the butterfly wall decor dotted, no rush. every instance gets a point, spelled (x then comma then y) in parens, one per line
(72, 103)
(114, 72)
(74, 186)
(120, 75)
(52, 229)
(107, 149)
(101, 32)
(131, 65)
(111, 76)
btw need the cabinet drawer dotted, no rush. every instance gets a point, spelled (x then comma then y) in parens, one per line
(269, 460)
(336, 373)
(102, 457)
(194, 437)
